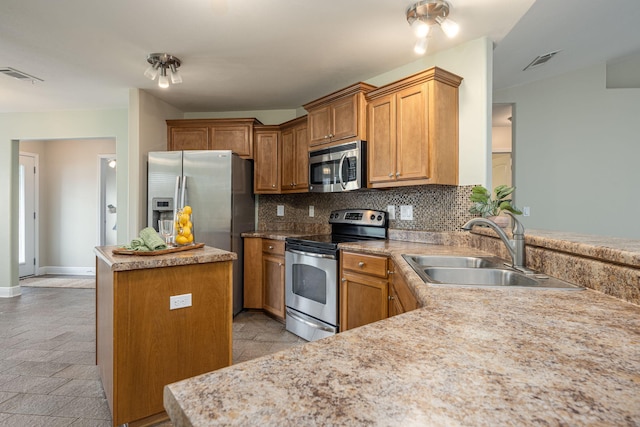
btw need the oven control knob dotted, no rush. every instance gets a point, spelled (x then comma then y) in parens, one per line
(372, 217)
(379, 217)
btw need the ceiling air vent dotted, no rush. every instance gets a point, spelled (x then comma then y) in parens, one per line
(540, 60)
(16, 74)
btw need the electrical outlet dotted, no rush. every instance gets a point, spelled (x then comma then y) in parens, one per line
(312, 211)
(526, 211)
(406, 212)
(391, 210)
(179, 301)
(280, 210)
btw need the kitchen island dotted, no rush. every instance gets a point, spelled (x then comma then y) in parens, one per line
(468, 356)
(143, 342)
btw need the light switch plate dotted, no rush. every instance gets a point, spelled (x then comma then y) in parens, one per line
(391, 210)
(526, 211)
(280, 210)
(406, 212)
(312, 211)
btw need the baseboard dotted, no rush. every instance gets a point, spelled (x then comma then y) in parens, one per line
(10, 292)
(67, 271)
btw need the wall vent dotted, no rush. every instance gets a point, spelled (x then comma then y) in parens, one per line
(17, 74)
(541, 60)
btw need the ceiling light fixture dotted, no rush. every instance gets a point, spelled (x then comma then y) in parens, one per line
(424, 15)
(160, 62)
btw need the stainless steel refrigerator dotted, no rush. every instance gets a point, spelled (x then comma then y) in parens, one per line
(218, 186)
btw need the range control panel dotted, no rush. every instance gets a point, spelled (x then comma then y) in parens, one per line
(367, 217)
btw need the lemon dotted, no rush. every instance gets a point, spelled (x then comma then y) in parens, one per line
(190, 238)
(184, 218)
(186, 231)
(181, 240)
(187, 210)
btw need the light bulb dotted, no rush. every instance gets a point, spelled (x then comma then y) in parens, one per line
(421, 46)
(420, 28)
(449, 27)
(152, 71)
(175, 77)
(163, 81)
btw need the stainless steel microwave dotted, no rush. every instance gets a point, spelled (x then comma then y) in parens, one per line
(338, 168)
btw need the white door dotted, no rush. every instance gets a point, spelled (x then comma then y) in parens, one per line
(27, 217)
(501, 169)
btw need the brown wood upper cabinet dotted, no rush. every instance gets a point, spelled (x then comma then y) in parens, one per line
(267, 159)
(295, 156)
(338, 116)
(412, 132)
(212, 134)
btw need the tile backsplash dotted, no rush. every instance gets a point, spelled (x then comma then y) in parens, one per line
(435, 208)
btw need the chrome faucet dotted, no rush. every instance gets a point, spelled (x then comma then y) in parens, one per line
(515, 246)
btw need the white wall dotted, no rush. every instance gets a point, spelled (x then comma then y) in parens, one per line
(50, 125)
(147, 132)
(501, 139)
(577, 147)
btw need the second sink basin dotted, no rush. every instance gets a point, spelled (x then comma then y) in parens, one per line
(479, 276)
(454, 261)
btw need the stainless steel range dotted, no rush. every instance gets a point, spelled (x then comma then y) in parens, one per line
(311, 271)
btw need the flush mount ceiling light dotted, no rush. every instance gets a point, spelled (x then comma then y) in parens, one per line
(160, 62)
(423, 15)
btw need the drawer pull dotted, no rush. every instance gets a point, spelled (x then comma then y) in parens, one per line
(270, 247)
(361, 264)
(391, 298)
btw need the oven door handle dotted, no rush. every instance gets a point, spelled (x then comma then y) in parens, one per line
(308, 323)
(294, 251)
(342, 183)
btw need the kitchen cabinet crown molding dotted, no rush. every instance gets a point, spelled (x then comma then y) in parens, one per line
(294, 122)
(433, 73)
(214, 122)
(359, 87)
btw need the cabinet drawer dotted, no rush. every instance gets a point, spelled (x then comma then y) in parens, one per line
(275, 247)
(365, 264)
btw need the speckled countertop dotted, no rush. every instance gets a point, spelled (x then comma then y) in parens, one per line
(202, 255)
(481, 357)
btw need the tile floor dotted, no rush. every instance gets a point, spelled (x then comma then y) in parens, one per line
(48, 375)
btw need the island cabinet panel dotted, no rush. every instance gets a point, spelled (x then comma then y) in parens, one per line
(142, 345)
(212, 134)
(267, 160)
(338, 117)
(295, 156)
(364, 290)
(412, 131)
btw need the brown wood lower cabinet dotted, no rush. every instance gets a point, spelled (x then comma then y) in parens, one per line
(401, 298)
(264, 275)
(142, 345)
(364, 289)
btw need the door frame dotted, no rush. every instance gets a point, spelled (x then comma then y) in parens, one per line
(103, 164)
(36, 209)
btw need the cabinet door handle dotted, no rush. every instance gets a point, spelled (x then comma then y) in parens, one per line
(273, 185)
(397, 173)
(270, 247)
(389, 272)
(279, 264)
(391, 298)
(390, 175)
(331, 135)
(361, 264)
(343, 279)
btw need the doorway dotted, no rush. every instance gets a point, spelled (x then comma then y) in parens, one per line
(27, 211)
(502, 145)
(108, 196)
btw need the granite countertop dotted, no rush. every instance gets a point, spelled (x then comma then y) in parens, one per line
(274, 235)
(202, 255)
(467, 357)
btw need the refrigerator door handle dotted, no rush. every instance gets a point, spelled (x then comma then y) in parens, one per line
(175, 196)
(184, 191)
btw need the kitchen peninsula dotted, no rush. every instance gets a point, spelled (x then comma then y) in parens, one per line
(142, 342)
(468, 356)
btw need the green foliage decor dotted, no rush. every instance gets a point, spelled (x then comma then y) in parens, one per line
(485, 206)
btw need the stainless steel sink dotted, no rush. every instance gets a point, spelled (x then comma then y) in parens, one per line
(474, 271)
(454, 261)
